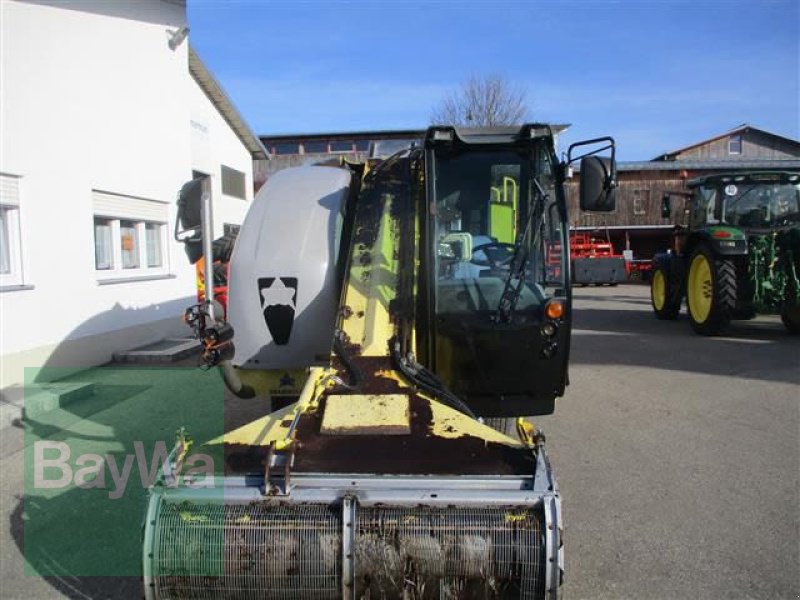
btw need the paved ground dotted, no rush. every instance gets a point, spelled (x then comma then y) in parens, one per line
(678, 456)
(678, 459)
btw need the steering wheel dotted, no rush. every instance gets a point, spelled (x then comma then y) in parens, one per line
(498, 254)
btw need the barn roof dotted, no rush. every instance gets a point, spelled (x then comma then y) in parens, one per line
(743, 128)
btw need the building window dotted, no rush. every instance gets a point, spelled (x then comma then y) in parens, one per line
(286, 148)
(735, 144)
(124, 247)
(153, 239)
(10, 241)
(362, 145)
(341, 146)
(103, 244)
(230, 229)
(129, 244)
(233, 183)
(10, 251)
(315, 147)
(5, 235)
(130, 236)
(641, 200)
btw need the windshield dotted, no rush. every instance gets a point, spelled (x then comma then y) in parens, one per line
(760, 205)
(485, 203)
(385, 148)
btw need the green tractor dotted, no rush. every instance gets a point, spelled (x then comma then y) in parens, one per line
(736, 251)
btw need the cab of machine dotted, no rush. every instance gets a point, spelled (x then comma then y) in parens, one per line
(497, 268)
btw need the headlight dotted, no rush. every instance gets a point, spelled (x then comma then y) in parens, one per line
(549, 349)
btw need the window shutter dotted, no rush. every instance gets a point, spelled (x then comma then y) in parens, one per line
(233, 183)
(128, 207)
(9, 190)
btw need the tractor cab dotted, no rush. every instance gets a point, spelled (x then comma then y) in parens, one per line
(748, 201)
(754, 201)
(499, 314)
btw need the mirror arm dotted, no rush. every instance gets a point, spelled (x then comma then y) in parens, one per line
(611, 178)
(572, 159)
(207, 227)
(610, 144)
(179, 233)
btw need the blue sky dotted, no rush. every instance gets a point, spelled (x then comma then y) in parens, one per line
(657, 75)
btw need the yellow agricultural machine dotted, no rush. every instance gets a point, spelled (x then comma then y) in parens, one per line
(402, 317)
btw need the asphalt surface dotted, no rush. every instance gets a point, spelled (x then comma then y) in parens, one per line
(678, 459)
(678, 456)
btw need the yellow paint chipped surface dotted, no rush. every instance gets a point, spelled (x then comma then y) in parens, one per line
(384, 414)
(370, 288)
(275, 427)
(450, 423)
(261, 432)
(363, 414)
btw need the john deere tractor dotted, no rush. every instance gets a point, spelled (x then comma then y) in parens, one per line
(736, 251)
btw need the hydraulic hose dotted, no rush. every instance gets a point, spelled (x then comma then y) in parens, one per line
(429, 382)
(353, 372)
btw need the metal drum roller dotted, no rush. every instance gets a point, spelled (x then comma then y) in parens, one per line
(299, 551)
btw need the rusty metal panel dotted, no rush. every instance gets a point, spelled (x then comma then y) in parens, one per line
(366, 414)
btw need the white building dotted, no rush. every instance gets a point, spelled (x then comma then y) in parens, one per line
(104, 113)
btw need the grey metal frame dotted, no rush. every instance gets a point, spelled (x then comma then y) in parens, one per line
(349, 520)
(207, 225)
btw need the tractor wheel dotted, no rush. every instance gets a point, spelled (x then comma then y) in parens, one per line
(662, 295)
(710, 292)
(505, 425)
(791, 319)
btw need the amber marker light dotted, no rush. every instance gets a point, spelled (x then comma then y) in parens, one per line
(554, 309)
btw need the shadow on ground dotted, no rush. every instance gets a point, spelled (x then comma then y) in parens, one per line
(619, 328)
(85, 541)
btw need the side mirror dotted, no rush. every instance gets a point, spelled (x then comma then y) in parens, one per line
(666, 207)
(598, 186)
(188, 224)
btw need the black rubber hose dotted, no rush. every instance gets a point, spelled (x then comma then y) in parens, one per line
(354, 374)
(428, 381)
(234, 383)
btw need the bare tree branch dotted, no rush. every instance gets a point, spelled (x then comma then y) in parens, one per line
(483, 101)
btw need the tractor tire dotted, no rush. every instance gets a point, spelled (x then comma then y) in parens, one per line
(662, 295)
(791, 319)
(710, 292)
(505, 425)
